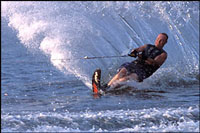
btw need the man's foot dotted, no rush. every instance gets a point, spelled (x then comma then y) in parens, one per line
(104, 86)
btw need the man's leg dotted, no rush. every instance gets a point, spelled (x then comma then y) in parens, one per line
(132, 76)
(122, 76)
(122, 73)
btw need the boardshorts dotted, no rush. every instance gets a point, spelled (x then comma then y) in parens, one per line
(138, 67)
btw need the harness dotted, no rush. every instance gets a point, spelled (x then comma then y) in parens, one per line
(138, 66)
(151, 51)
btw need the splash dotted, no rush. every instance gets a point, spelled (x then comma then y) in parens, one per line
(63, 30)
(152, 119)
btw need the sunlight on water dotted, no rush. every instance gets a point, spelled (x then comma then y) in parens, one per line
(66, 31)
(76, 29)
(155, 119)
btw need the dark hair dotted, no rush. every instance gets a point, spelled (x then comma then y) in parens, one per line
(164, 34)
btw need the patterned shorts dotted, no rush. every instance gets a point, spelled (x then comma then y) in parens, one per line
(135, 67)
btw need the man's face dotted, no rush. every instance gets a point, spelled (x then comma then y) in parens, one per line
(160, 41)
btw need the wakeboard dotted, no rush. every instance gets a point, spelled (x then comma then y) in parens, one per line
(96, 83)
(99, 90)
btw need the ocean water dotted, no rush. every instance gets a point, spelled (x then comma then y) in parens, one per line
(46, 87)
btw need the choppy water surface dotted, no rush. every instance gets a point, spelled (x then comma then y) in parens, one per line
(42, 93)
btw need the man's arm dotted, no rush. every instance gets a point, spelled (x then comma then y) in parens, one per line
(135, 52)
(140, 49)
(159, 60)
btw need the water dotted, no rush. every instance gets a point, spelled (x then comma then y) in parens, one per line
(42, 93)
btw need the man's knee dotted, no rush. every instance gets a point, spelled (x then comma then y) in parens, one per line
(135, 77)
(122, 72)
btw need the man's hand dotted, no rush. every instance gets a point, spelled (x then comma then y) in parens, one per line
(133, 53)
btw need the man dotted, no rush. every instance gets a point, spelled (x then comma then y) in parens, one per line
(150, 58)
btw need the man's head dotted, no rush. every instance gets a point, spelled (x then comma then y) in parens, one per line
(161, 40)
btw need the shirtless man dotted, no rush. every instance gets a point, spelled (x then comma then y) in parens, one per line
(150, 58)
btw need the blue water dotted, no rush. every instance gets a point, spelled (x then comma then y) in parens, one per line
(45, 88)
